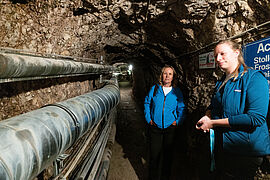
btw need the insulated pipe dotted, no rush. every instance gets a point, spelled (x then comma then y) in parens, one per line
(32, 141)
(18, 66)
(104, 166)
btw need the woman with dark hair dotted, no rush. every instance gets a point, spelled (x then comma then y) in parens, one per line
(237, 115)
(164, 110)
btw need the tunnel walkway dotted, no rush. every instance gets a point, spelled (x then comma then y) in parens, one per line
(128, 160)
(129, 153)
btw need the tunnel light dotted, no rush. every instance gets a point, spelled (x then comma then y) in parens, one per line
(130, 67)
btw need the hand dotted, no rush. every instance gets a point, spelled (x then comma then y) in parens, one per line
(151, 123)
(174, 123)
(204, 124)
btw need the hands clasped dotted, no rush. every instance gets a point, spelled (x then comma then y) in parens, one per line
(204, 124)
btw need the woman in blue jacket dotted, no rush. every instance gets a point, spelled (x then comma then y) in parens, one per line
(163, 110)
(238, 115)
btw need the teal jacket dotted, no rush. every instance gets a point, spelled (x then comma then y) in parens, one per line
(164, 110)
(244, 102)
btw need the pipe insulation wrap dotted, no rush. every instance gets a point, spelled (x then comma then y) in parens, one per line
(14, 66)
(32, 141)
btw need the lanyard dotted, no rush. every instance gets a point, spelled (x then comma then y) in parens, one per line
(212, 144)
(212, 132)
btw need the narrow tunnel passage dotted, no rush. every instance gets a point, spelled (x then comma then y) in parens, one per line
(145, 33)
(129, 151)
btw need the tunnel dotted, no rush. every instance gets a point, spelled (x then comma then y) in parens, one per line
(53, 51)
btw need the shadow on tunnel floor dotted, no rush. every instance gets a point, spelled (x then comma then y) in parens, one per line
(130, 131)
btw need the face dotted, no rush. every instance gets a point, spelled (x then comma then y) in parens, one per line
(167, 76)
(226, 57)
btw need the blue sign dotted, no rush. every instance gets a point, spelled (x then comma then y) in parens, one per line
(257, 55)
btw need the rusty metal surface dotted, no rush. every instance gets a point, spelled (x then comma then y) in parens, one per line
(32, 141)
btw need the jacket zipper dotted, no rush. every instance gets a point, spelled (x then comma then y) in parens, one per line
(163, 112)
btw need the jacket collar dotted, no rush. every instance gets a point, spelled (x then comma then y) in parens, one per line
(240, 74)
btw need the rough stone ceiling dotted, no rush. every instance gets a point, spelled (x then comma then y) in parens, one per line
(163, 30)
(157, 31)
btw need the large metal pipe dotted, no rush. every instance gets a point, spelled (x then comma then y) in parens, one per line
(26, 66)
(104, 166)
(32, 141)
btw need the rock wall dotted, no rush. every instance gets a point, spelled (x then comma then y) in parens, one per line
(70, 28)
(24, 96)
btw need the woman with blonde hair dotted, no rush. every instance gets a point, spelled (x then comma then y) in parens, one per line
(237, 115)
(164, 110)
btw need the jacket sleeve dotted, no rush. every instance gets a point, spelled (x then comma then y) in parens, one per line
(257, 100)
(147, 104)
(180, 108)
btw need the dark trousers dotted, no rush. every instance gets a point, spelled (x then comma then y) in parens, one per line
(161, 152)
(235, 167)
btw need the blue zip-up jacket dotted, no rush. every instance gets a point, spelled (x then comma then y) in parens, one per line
(164, 110)
(245, 103)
